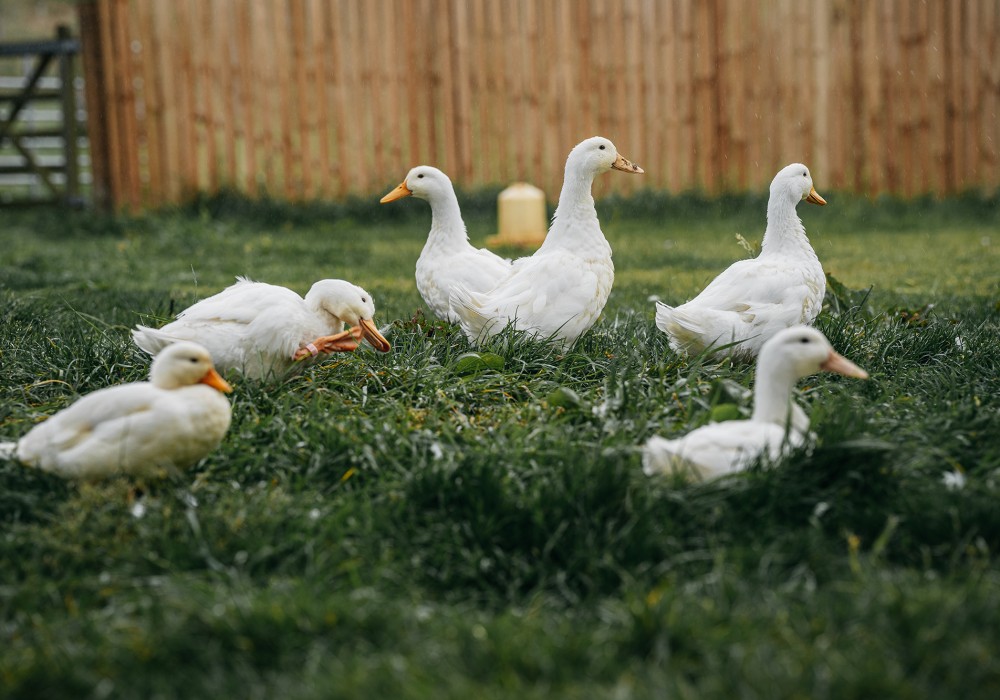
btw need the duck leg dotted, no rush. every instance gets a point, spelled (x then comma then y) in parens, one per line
(345, 341)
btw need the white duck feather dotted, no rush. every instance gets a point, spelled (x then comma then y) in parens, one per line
(560, 290)
(142, 428)
(259, 329)
(754, 299)
(777, 423)
(448, 259)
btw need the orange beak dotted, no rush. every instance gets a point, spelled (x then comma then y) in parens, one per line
(626, 166)
(814, 197)
(398, 193)
(371, 334)
(215, 380)
(841, 365)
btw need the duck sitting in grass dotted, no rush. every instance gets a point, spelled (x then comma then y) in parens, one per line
(144, 429)
(776, 424)
(262, 329)
(560, 290)
(754, 299)
(448, 259)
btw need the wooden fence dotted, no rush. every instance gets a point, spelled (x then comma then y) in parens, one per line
(321, 98)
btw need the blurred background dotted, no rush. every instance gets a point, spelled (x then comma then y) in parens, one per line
(318, 99)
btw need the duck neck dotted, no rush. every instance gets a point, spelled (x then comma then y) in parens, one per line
(575, 225)
(332, 321)
(447, 228)
(772, 392)
(785, 234)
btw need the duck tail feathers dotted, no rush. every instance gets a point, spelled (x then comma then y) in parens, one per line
(151, 340)
(464, 308)
(679, 323)
(8, 450)
(663, 315)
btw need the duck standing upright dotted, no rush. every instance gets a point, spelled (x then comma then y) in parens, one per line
(776, 422)
(560, 291)
(259, 328)
(447, 259)
(754, 299)
(141, 429)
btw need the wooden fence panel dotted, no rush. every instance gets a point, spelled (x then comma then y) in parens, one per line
(324, 98)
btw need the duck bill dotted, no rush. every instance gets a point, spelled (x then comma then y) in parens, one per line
(841, 365)
(814, 197)
(398, 193)
(626, 166)
(215, 380)
(371, 334)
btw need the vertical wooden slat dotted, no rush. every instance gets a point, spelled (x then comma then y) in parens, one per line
(247, 130)
(390, 123)
(869, 70)
(152, 97)
(319, 56)
(410, 57)
(339, 39)
(482, 158)
(669, 36)
(126, 94)
(200, 95)
(97, 99)
(105, 13)
(687, 86)
(651, 147)
(227, 38)
(557, 135)
(290, 173)
(499, 87)
(990, 84)
(209, 57)
(634, 99)
(535, 112)
(300, 132)
(972, 127)
(184, 82)
(582, 22)
(371, 103)
(458, 54)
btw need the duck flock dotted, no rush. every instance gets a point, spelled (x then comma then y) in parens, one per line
(758, 308)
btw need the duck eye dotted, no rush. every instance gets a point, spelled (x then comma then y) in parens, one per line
(601, 146)
(804, 174)
(803, 340)
(420, 176)
(193, 359)
(364, 300)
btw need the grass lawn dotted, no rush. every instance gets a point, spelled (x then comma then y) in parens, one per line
(397, 526)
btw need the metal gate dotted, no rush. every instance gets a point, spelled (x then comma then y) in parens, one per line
(60, 180)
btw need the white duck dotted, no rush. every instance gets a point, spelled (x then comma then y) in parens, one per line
(776, 423)
(141, 429)
(754, 299)
(259, 328)
(560, 291)
(448, 259)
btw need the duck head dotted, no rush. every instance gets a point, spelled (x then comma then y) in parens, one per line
(598, 155)
(350, 304)
(803, 351)
(795, 182)
(423, 182)
(185, 364)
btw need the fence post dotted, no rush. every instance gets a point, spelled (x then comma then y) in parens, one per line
(96, 95)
